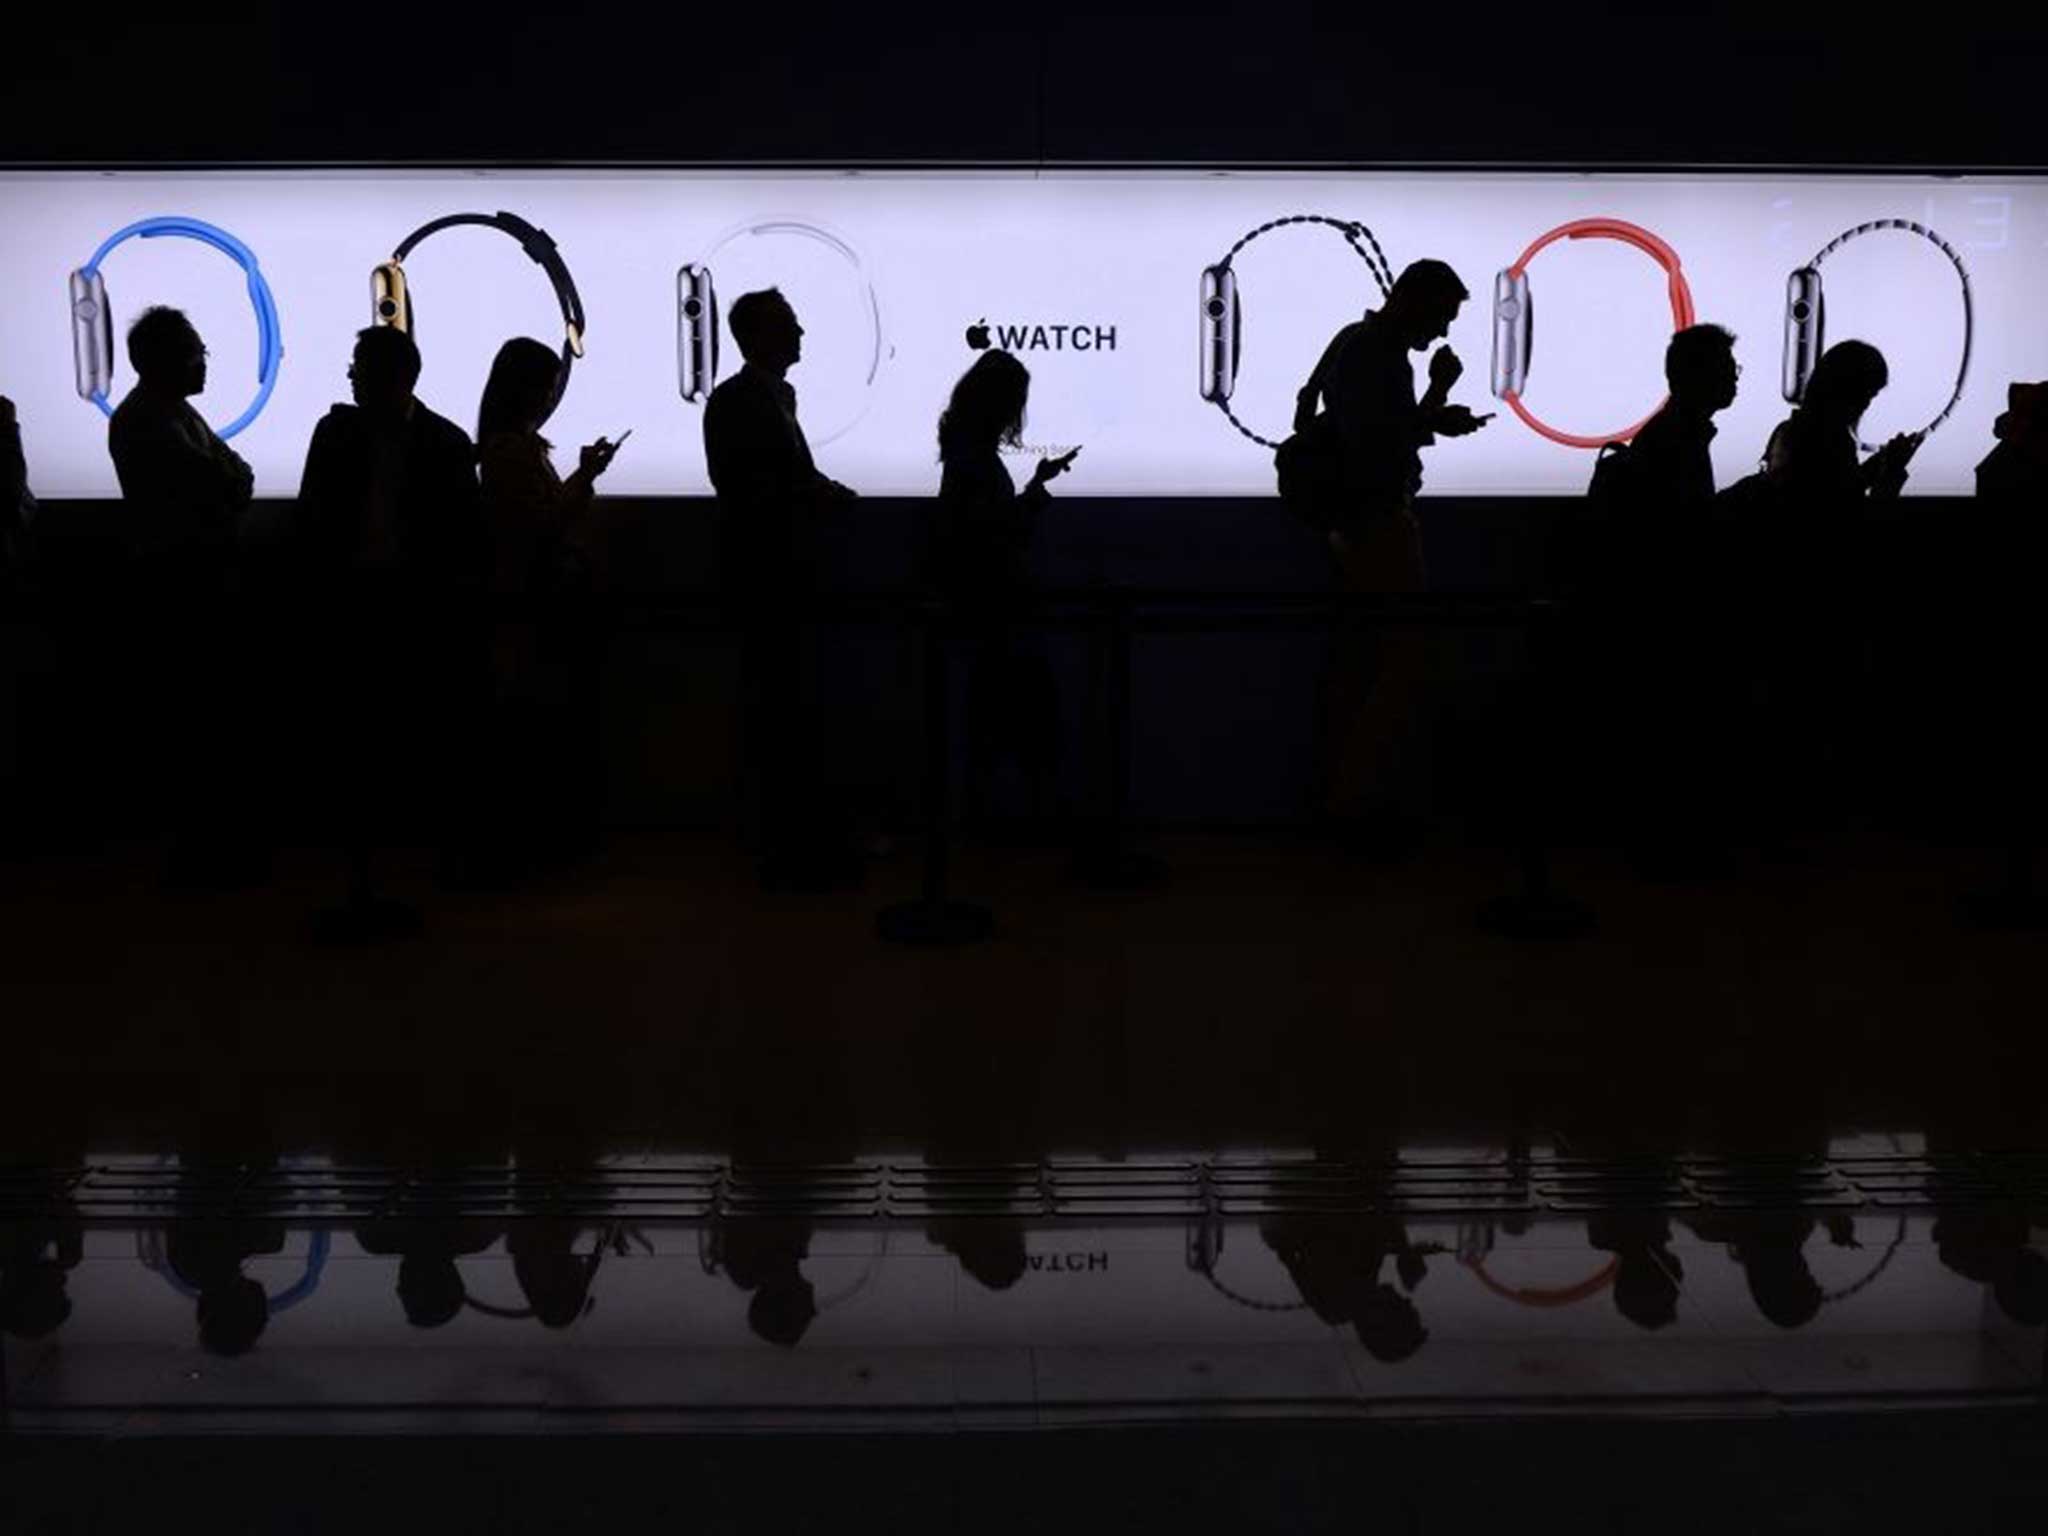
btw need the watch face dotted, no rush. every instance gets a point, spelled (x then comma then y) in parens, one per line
(1514, 329)
(1803, 313)
(390, 304)
(1220, 333)
(92, 335)
(696, 332)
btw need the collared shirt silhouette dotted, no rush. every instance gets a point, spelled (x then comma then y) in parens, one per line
(186, 489)
(390, 487)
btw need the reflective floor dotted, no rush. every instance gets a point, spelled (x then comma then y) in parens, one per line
(639, 1146)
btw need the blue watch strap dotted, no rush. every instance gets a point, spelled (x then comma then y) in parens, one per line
(269, 334)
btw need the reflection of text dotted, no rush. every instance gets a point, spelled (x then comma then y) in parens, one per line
(1067, 1263)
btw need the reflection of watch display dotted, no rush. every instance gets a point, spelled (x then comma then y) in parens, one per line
(1514, 319)
(1806, 314)
(697, 316)
(1222, 316)
(391, 300)
(92, 321)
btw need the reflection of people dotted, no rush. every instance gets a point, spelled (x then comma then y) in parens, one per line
(36, 1257)
(207, 1253)
(1367, 390)
(1993, 1245)
(1336, 1262)
(544, 550)
(430, 1287)
(1647, 1273)
(764, 1256)
(186, 493)
(979, 561)
(771, 498)
(1771, 1248)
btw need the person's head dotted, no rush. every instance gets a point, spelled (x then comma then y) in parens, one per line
(782, 1313)
(384, 369)
(986, 410)
(430, 1289)
(1389, 1325)
(232, 1316)
(1645, 1291)
(1847, 378)
(1423, 302)
(166, 352)
(520, 389)
(557, 1286)
(33, 1301)
(1782, 1285)
(766, 329)
(1700, 367)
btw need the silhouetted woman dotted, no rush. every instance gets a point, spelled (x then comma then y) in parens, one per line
(1812, 456)
(980, 561)
(1811, 557)
(542, 779)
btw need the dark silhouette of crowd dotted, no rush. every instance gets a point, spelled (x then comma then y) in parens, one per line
(446, 595)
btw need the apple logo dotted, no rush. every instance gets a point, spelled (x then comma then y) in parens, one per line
(977, 335)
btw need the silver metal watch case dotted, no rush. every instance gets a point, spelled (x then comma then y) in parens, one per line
(92, 335)
(1222, 332)
(1805, 330)
(1514, 332)
(696, 331)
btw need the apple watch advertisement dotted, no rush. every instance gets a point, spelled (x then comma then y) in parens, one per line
(1168, 317)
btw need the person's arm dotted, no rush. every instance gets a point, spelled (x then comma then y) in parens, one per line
(1311, 394)
(189, 491)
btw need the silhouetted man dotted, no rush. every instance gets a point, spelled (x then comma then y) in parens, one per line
(392, 530)
(771, 498)
(389, 493)
(187, 494)
(186, 490)
(1366, 386)
(1640, 554)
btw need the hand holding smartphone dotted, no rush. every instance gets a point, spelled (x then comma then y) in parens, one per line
(1049, 469)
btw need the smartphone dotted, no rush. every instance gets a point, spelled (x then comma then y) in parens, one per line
(620, 441)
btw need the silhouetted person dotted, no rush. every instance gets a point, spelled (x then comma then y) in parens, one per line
(543, 784)
(1639, 560)
(1993, 1245)
(764, 1256)
(17, 506)
(207, 1253)
(1647, 1272)
(1366, 387)
(772, 499)
(1808, 547)
(37, 1255)
(388, 499)
(2012, 489)
(430, 1286)
(187, 494)
(1335, 1263)
(979, 562)
(389, 531)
